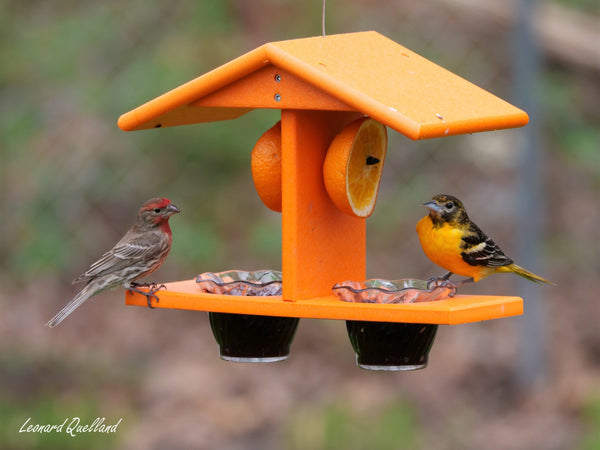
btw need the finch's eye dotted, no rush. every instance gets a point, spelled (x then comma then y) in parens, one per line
(157, 210)
(449, 206)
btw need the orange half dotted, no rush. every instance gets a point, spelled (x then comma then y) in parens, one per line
(266, 167)
(353, 166)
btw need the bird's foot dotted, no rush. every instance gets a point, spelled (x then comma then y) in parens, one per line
(150, 294)
(443, 282)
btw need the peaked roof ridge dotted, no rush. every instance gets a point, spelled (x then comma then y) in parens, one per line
(350, 95)
(366, 71)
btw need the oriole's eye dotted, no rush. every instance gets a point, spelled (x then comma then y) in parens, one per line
(157, 210)
(449, 206)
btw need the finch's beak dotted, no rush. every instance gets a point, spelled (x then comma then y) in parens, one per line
(172, 209)
(432, 206)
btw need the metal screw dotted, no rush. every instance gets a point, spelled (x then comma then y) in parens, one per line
(277, 97)
(277, 78)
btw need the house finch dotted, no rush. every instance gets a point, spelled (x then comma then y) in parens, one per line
(140, 252)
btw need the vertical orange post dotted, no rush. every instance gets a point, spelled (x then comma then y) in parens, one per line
(320, 244)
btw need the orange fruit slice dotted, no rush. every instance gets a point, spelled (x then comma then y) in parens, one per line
(353, 166)
(266, 167)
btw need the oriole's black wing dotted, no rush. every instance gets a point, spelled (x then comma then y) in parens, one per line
(478, 249)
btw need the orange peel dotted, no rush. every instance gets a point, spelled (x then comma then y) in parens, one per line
(266, 167)
(353, 166)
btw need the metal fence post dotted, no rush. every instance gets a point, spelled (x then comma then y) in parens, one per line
(530, 203)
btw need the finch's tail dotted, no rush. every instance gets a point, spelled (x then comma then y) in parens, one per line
(75, 303)
(525, 274)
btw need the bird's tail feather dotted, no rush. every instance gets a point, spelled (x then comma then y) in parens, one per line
(526, 274)
(75, 303)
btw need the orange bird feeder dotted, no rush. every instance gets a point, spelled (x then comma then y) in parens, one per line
(321, 84)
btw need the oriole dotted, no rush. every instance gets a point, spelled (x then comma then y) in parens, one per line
(451, 240)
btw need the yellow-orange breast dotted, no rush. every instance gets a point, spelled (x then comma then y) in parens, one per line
(442, 246)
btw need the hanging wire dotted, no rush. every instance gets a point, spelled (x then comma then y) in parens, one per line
(323, 18)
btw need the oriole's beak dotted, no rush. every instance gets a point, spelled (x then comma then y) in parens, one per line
(172, 209)
(433, 207)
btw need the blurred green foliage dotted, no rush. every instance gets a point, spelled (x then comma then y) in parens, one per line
(49, 411)
(587, 6)
(66, 73)
(572, 122)
(591, 420)
(336, 425)
(49, 390)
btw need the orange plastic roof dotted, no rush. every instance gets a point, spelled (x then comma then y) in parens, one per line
(364, 72)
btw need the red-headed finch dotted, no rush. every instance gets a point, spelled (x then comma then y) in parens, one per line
(139, 253)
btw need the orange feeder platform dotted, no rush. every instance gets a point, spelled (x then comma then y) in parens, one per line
(321, 84)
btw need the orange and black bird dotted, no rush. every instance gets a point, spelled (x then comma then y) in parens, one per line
(451, 240)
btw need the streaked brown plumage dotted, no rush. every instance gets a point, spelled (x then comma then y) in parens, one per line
(139, 253)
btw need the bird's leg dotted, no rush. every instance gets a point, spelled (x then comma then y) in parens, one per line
(150, 293)
(465, 281)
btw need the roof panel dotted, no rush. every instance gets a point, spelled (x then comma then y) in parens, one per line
(365, 71)
(395, 85)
